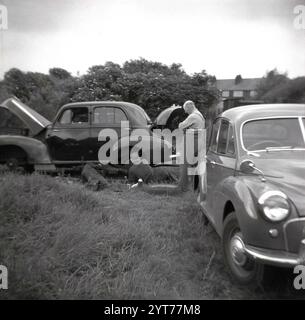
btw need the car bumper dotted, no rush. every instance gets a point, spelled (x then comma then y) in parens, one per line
(276, 257)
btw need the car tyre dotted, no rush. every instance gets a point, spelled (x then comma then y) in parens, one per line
(12, 164)
(16, 164)
(244, 270)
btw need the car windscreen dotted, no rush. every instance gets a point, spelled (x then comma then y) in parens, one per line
(272, 133)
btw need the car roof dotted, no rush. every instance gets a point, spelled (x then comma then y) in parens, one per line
(102, 103)
(243, 113)
(131, 108)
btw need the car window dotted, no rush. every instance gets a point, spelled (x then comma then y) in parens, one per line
(272, 133)
(66, 117)
(231, 142)
(223, 137)
(214, 136)
(119, 116)
(75, 115)
(108, 115)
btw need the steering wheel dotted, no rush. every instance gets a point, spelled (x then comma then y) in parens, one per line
(264, 144)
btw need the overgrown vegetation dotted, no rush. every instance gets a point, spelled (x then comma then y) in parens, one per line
(276, 87)
(152, 85)
(60, 240)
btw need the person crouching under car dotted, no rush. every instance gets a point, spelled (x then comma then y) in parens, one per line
(140, 168)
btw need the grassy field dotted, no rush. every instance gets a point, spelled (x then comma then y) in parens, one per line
(62, 241)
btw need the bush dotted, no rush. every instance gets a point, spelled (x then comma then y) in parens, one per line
(151, 85)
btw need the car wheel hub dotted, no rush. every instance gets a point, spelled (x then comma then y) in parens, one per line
(238, 250)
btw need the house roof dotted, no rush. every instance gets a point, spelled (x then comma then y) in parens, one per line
(245, 84)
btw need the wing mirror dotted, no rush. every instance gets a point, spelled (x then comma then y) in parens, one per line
(247, 166)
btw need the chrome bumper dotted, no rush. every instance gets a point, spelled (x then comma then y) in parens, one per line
(277, 258)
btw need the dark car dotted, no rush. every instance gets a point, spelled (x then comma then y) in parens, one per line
(255, 187)
(72, 138)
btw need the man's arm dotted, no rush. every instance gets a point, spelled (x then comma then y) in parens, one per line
(186, 123)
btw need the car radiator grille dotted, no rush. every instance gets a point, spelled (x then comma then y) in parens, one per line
(294, 232)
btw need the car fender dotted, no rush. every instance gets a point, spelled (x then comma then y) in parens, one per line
(234, 191)
(243, 193)
(36, 150)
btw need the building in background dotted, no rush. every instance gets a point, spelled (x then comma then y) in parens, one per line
(237, 92)
(238, 87)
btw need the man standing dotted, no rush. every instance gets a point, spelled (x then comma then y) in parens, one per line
(195, 119)
(195, 122)
(195, 125)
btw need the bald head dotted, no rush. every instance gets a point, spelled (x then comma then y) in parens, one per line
(189, 106)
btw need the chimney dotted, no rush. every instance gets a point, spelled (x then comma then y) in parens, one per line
(238, 79)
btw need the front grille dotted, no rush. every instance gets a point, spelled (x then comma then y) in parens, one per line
(294, 231)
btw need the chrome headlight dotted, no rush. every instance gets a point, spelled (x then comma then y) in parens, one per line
(275, 205)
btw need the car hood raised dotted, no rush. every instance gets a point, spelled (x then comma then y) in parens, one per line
(33, 120)
(286, 171)
(169, 114)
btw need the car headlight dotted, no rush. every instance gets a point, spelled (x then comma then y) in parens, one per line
(275, 205)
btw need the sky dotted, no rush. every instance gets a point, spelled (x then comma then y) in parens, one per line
(223, 37)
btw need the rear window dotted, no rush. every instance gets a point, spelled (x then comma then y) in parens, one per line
(108, 115)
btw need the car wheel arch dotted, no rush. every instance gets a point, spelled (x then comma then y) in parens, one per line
(237, 197)
(14, 157)
(13, 151)
(228, 208)
(36, 150)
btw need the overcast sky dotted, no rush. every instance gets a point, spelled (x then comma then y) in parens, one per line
(224, 37)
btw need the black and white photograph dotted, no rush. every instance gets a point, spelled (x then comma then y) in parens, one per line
(153, 151)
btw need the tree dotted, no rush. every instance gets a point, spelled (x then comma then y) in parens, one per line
(15, 82)
(278, 88)
(271, 81)
(59, 73)
(152, 85)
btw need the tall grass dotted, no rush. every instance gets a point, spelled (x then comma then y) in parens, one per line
(60, 240)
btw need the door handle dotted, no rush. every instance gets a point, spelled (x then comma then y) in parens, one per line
(210, 161)
(55, 130)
